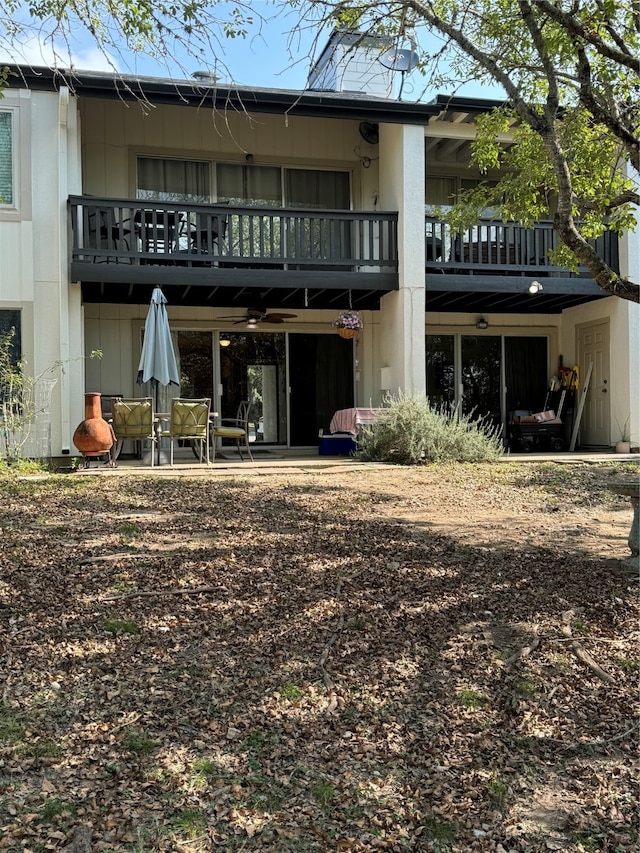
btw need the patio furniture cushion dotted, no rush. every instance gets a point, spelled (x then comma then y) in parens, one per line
(189, 421)
(237, 429)
(133, 419)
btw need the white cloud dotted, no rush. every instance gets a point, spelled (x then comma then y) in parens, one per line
(33, 51)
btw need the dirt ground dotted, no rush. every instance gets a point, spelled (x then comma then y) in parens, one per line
(544, 510)
(433, 659)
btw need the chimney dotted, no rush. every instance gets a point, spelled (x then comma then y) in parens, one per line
(350, 62)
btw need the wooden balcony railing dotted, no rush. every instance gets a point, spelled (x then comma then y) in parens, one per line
(148, 232)
(498, 247)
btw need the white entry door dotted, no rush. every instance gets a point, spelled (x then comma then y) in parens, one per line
(593, 348)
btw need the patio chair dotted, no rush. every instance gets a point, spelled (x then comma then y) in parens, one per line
(238, 430)
(189, 421)
(133, 419)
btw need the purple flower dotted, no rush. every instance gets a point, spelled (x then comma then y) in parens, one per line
(348, 320)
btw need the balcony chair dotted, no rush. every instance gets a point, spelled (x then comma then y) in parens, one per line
(133, 419)
(189, 421)
(199, 237)
(238, 430)
(106, 234)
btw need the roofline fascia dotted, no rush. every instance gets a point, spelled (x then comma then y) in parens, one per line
(465, 104)
(162, 91)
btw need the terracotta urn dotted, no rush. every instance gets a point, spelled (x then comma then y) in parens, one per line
(94, 436)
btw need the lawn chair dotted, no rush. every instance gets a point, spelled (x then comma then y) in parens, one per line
(238, 429)
(133, 420)
(189, 421)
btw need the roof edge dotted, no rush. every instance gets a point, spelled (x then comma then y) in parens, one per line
(194, 93)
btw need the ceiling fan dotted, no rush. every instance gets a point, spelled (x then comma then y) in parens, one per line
(254, 316)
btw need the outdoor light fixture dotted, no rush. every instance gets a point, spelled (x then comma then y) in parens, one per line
(224, 342)
(535, 287)
(482, 323)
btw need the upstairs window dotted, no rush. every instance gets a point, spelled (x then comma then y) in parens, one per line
(273, 186)
(173, 180)
(253, 186)
(6, 158)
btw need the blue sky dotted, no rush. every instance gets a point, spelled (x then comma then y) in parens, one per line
(275, 54)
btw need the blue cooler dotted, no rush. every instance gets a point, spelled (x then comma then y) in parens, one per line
(337, 444)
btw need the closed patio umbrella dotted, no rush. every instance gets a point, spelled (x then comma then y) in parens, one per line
(158, 359)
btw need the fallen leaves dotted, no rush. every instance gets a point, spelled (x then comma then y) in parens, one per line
(374, 665)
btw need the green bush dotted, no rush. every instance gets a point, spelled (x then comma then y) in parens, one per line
(412, 431)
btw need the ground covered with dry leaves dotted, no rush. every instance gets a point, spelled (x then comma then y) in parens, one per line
(432, 659)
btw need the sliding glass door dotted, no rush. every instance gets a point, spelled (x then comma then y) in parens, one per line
(487, 375)
(480, 362)
(293, 381)
(253, 368)
(321, 382)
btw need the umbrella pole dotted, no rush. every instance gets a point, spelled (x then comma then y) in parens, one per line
(155, 389)
(157, 405)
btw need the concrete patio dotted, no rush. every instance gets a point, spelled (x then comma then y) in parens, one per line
(308, 459)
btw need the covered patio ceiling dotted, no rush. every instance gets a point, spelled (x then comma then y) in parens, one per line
(507, 294)
(242, 296)
(481, 297)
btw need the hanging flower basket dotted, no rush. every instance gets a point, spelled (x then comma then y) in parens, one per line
(348, 333)
(348, 324)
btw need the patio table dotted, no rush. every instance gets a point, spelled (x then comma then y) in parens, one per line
(350, 420)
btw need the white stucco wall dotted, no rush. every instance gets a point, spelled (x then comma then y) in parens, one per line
(402, 340)
(33, 251)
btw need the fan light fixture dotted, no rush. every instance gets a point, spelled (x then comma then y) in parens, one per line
(224, 342)
(482, 323)
(535, 287)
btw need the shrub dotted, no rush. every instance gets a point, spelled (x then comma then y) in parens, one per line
(412, 431)
(22, 399)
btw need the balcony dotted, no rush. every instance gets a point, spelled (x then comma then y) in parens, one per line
(497, 247)
(120, 246)
(217, 255)
(488, 268)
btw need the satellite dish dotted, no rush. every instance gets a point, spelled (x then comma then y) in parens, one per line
(399, 60)
(369, 132)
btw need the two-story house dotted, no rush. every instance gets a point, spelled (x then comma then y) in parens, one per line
(245, 203)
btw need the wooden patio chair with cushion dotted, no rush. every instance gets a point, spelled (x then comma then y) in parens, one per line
(134, 419)
(189, 421)
(237, 429)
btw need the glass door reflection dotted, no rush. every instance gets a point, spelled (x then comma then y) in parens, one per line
(253, 368)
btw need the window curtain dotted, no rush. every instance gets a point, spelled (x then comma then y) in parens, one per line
(314, 188)
(173, 180)
(260, 186)
(253, 186)
(6, 157)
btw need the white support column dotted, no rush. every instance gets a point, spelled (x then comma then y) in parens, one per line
(402, 313)
(63, 292)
